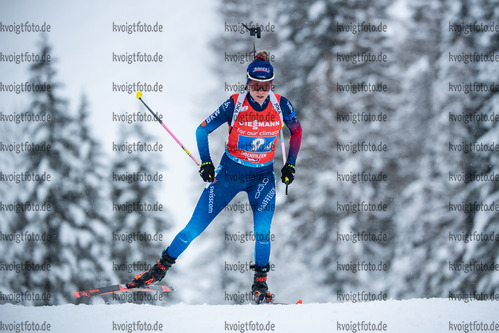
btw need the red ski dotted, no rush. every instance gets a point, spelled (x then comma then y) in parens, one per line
(278, 303)
(120, 288)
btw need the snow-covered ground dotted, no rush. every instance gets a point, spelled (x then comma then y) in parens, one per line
(416, 315)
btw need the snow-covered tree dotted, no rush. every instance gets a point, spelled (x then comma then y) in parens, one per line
(426, 247)
(66, 207)
(138, 233)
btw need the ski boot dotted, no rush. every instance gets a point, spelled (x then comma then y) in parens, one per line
(155, 274)
(259, 288)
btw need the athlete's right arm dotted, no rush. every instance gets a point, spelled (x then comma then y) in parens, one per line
(222, 115)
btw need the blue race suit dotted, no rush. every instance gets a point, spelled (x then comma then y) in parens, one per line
(233, 176)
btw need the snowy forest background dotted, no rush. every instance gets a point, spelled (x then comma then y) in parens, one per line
(307, 250)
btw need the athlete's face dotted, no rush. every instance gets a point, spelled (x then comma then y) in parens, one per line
(259, 90)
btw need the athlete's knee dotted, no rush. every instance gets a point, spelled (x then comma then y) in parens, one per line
(188, 234)
(262, 235)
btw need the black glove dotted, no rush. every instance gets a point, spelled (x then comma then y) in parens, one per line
(207, 171)
(287, 173)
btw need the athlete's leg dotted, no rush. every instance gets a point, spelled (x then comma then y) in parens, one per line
(262, 200)
(214, 198)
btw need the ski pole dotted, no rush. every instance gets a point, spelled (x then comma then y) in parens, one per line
(286, 180)
(139, 97)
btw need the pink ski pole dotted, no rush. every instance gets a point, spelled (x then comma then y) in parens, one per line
(139, 96)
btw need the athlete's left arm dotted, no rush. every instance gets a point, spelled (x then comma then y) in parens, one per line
(292, 123)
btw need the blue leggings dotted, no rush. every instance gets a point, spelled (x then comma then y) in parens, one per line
(230, 179)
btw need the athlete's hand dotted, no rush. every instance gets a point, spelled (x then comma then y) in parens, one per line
(207, 171)
(287, 173)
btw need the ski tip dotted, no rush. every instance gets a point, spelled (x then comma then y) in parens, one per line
(299, 302)
(139, 95)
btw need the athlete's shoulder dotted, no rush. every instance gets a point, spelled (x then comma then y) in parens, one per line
(287, 108)
(281, 98)
(228, 103)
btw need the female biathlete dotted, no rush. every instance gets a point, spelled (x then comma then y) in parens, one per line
(254, 120)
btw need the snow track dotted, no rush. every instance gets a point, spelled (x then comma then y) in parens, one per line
(416, 315)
